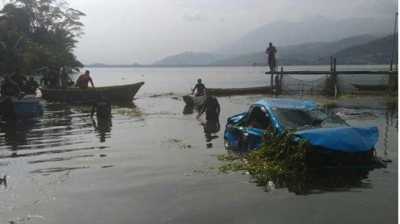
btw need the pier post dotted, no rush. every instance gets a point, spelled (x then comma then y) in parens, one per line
(280, 81)
(272, 82)
(334, 74)
(392, 82)
(331, 83)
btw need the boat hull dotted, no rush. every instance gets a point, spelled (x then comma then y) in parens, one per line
(194, 101)
(26, 107)
(123, 93)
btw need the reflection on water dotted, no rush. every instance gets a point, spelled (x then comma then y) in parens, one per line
(63, 134)
(3, 181)
(47, 171)
(391, 121)
(15, 132)
(149, 149)
(323, 180)
(103, 127)
(211, 128)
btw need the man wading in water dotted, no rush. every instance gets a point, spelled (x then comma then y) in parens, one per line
(83, 80)
(212, 109)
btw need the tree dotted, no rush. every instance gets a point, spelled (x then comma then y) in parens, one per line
(38, 33)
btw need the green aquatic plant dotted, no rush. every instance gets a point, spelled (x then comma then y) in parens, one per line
(329, 105)
(280, 159)
(284, 161)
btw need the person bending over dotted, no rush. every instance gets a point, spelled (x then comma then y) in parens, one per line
(199, 88)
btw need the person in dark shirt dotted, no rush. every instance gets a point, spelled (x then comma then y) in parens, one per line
(199, 88)
(83, 80)
(31, 86)
(212, 109)
(102, 109)
(271, 52)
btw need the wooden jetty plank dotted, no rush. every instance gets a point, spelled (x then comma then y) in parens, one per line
(387, 72)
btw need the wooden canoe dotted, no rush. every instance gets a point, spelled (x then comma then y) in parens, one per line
(239, 91)
(122, 93)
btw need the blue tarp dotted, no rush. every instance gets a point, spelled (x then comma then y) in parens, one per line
(288, 103)
(345, 139)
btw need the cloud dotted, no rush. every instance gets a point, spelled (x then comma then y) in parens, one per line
(193, 17)
(117, 31)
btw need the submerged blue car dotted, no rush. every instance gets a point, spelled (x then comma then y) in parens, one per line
(325, 133)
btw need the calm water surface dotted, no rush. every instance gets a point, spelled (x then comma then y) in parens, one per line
(181, 80)
(152, 164)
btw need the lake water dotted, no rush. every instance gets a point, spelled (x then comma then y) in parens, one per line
(180, 80)
(152, 164)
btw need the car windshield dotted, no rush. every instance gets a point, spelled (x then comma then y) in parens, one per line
(305, 119)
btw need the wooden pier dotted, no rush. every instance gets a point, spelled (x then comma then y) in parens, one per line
(331, 87)
(327, 72)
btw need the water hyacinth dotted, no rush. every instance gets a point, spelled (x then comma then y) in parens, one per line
(284, 162)
(279, 159)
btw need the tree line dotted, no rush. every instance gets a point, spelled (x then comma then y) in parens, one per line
(38, 36)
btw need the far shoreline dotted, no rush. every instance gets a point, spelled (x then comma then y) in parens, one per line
(194, 66)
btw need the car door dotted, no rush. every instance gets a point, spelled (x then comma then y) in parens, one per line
(258, 123)
(248, 133)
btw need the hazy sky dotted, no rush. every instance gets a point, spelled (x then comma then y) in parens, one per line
(127, 31)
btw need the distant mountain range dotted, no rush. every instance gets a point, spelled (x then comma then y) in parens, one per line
(314, 29)
(377, 52)
(102, 65)
(190, 58)
(361, 49)
(352, 41)
(353, 50)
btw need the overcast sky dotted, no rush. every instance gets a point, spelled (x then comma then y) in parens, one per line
(127, 31)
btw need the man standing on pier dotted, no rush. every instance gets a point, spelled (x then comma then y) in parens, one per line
(271, 51)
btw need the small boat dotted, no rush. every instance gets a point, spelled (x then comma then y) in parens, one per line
(194, 101)
(239, 91)
(122, 93)
(370, 87)
(15, 108)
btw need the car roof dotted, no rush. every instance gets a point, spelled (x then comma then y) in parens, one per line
(288, 104)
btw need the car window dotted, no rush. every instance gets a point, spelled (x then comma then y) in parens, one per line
(258, 118)
(305, 119)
